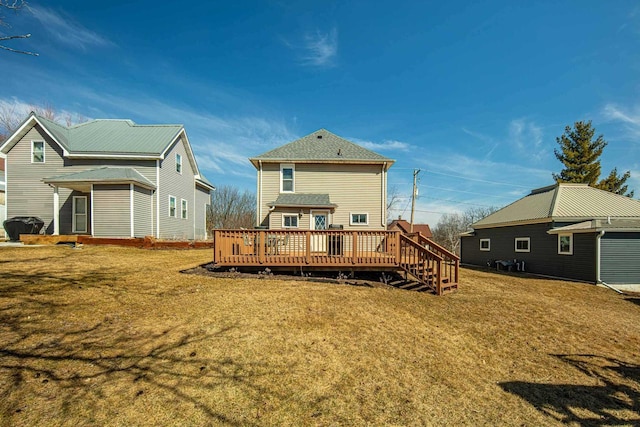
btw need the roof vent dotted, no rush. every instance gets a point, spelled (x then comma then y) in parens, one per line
(339, 152)
(319, 136)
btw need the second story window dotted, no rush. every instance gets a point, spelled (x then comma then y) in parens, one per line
(287, 174)
(178, 163)
(37, 151)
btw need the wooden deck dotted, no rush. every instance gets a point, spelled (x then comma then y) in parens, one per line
(425, 261)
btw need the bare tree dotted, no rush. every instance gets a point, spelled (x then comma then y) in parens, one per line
(231, 209)
(393, 198)
(14, 6)
(447, 231)
(12, 115)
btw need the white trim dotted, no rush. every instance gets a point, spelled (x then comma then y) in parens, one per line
(112, 156)
(175, 207)
(312, 223)
(92, 216)
(522, 239)
(56, 210)
(291, 215)
(185, 203)
(259, 198)
(206, 232)
(351, 214)
(32, 120)
(178, 163)
(44, 157)
(488, 248)
(157, 199)
(74, 223)
(293, 177)
(570, 251)
(131, 213)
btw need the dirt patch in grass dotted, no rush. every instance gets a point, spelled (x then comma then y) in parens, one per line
(119, 336)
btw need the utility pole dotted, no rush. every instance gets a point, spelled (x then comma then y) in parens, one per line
(415, 193)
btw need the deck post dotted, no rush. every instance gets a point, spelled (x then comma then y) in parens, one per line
(354, 248)
(308, 246)
(215, 246)
(398, 249)
(262, 243)
(438, 278)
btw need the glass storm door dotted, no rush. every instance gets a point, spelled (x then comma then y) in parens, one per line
(79, 214)
(319, 221)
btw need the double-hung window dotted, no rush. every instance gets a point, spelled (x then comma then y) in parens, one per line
(37, 151)
(178, 163)
(183, 209)
(287, 178)
(172, 206)
(485, 245)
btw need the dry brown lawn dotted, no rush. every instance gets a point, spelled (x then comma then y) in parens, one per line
(116, 336)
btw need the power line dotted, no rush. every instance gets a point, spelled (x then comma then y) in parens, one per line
(470, 179)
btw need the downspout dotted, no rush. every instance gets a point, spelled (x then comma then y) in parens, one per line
(92, 215)
(598, 253)
(259, 201)
(157, 198)
(131, 213)
(384, 196)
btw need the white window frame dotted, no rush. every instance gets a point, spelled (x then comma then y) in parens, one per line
(488, 248)
(290, 216)
(570, 251)
(175, 207)
(184, 209)
(522, 239)
(74, 222)
(179, 163)
(293, 178)
(43, 150)
(366, 217)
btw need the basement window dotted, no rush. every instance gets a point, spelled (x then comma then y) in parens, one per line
(485, 245)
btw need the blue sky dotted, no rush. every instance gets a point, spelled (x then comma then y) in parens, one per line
(471, 93)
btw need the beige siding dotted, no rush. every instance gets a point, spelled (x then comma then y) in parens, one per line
(142, 210)
(111, 207)
(181, 186)
(354, 188)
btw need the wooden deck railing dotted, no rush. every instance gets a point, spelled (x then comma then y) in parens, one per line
(428, 262)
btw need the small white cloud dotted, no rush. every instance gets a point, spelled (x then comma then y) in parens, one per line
(527, 136)
(630, 119)
(387, 145)
(319, 49)
(66, 30)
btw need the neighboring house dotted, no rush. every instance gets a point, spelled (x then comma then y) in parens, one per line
(106, 178)
(568, 231)
(405, 226)
(3, 208)
(321, 180)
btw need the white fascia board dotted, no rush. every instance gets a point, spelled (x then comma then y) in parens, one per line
(28, 123)
(112, 156)
(192, 157)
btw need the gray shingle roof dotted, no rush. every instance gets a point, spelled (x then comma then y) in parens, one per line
(105, 174)
(322, 146)
(303, 200)
(563, 202)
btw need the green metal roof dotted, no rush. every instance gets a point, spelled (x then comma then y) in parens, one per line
(596, 225)
(560, 202)
(105, 174)
(322, 146)
(303, 200)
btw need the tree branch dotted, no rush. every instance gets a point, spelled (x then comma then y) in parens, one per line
(23, 36)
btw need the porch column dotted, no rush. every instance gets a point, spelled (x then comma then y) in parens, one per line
(56, 211)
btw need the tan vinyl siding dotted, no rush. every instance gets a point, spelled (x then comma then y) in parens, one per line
(111, 207)
(142, 209)
(354, 188)
(180, 186)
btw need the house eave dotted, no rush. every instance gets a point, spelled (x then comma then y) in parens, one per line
(512, 223)
(386, 162)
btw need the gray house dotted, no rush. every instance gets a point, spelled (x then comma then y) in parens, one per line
(568, 231)
(106, 178)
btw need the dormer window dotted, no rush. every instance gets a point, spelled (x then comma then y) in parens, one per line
(287, 176)
(178, 163)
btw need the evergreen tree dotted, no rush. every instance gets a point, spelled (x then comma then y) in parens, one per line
(580, 155)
